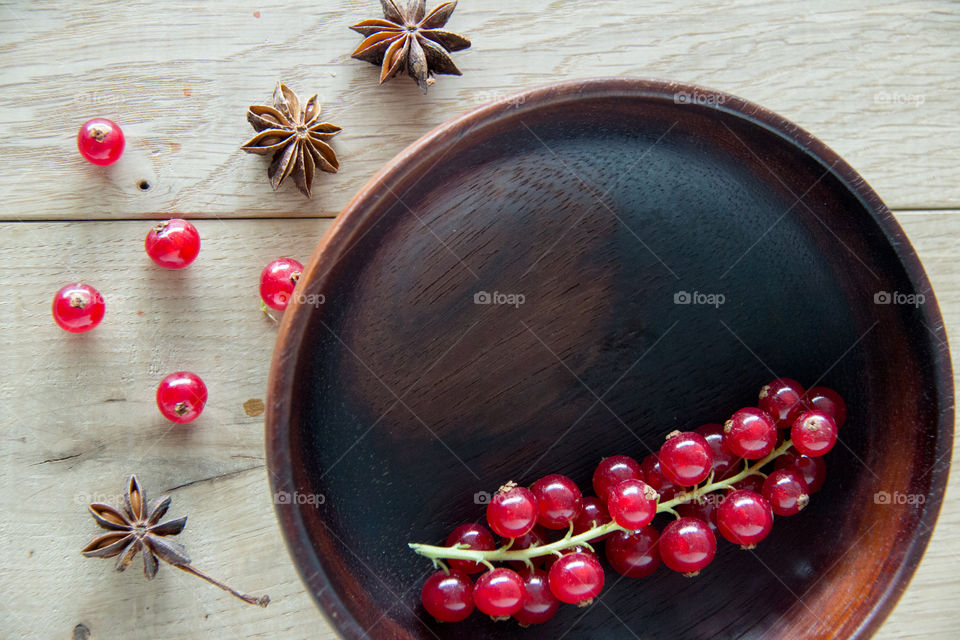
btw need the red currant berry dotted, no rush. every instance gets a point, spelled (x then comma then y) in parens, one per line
(612, 471)
(685, 458)
(813, 470)
(632, 504)
(539, 605)
(634, 554)
(558, 501)
(173, 243)
(499, 593)
(576, 578)
(783, 400)
(744, 518)
(181, 396)
(703, 508)
(448, 598)
(750, 433)
(277, 282)
(786, 491)
(813, 433)
(100, 141)
(475, 536)
(687, 545)
(828, 401)
(593, 514)
(750, 483)
(78, 308)
(533, 538)
(724, 462)
(512, 511)
(653, 476)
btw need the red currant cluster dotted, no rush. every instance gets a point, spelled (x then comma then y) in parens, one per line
(172, 244)
(709, 479)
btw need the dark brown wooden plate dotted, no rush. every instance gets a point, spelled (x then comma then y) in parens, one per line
(621, 211)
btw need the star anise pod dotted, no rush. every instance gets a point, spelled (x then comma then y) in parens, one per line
(407, 38)
(294, 136)
(134, 528)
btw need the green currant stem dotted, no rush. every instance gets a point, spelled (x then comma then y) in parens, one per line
(569, 541)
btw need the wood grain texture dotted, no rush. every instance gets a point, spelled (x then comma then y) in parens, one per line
(877, 82)
(77, 413)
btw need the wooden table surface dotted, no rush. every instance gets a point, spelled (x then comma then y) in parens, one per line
(878, 81)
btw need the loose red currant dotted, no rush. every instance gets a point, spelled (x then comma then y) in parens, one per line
(576, 578)
(539, 605)
(724, 462)
(78, 308)
(653, 476)
(813, 433)
(499, 593)
(828, 401)
(687, 545)
(512, 511)
(558, 501)
(703, 508)
(100, 141)
(632, 504)
(475, 536)
(612, 471)
(634, 554)
(813, 470)
(686, 458)
(750, 433)
(181, 396)
(750, 483)
(277, 282)
(448, 598)
(783, 400)
(744, 518)
(593, 514)
(173, 243)
(786, 491)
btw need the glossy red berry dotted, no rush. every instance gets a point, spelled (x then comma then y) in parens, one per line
(539, 605)
(686, 458)
(78, 308)
(558, 501)
(181, 396)
(632, 504)
(750, 483)
(750, 433)
(786, 491)
(535, 537)
(828, 401)
(782, 399)
(576, 578)
(612, 471)
(813, 470)
(499, 593)
(813, 433)
(100, 141)
(703, 508)
(593, 514)
(634, 554)
(653, 476)
(475, 536)
(512, 511)
(173, 243)
(744, 518)
(725, 463)
(687, 545)
(448, 598)
(277, 282)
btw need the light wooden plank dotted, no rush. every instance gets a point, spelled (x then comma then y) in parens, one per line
(77, 415)
(877, 81)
